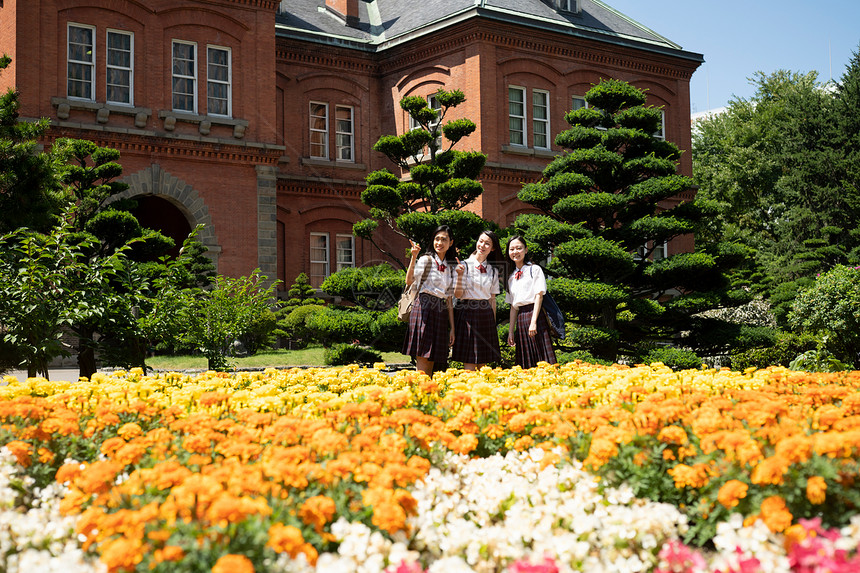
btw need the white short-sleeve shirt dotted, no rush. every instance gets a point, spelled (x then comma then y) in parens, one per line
(523, 290)
(478, 285)
(438, 283)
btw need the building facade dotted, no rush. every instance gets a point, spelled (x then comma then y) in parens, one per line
(257, 118)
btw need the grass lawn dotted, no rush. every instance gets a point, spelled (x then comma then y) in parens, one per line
(310, 356)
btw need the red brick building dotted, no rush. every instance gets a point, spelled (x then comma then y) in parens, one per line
(257, 118)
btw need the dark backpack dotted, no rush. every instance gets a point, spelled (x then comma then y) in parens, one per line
(553, 314)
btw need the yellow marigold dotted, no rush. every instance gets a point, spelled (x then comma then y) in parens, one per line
(317, 511)
(731, 493)
(816, 489)
(775, 514)
(494, 431)
(524, 443)
(673, 435)
(770, 471)
(233, 563)
(600, 452)
(397, 400)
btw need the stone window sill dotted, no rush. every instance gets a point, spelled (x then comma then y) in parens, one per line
(205, 122)
(331, 163)
(101, 110)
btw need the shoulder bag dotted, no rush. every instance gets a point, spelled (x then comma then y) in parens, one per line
(407, 299)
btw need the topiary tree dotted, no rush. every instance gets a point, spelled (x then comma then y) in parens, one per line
(605, 225)
(441, 180)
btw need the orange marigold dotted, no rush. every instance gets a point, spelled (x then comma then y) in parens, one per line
(770, 471)
(695, 476)
(673, 435)
(232, 563)
(286, 539)
(775, 514)
(22, 451)
(731, 493)
(318, 510)
(816, 489)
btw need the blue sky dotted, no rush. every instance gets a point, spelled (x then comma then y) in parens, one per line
(741, 37)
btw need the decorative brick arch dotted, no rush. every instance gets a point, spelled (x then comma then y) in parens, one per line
(155, 181)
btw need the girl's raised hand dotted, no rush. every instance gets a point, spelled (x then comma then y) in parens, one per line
(461, 267)
(416, 248)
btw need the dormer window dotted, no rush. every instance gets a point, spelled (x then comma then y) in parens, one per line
(567, 5)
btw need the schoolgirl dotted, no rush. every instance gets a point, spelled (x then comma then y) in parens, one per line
(431, 322)
(529, 330)
(476, 340)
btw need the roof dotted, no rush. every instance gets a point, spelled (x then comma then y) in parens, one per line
(385, 23)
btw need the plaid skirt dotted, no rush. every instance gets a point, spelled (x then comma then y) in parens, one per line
(530, 351)
(427, 336)
(476, 340)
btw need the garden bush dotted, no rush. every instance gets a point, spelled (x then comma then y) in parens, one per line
(674, 358)
(340, 324)
(343, 354)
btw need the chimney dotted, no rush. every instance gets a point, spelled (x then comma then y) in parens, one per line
(346, 9)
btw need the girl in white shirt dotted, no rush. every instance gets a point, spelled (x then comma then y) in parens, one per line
(476, 340)
(528, 330)
(431, 322)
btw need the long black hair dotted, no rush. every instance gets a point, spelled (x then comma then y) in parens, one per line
(496, 257)
(527, 258)
(451, 253)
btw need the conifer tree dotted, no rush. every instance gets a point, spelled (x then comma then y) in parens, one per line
(605, 228)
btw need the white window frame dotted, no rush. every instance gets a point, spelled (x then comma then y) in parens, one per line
(567, 5)
(341, 261)
(541, 122)
(577, 98)
(661, 251)
(211, 82)
(119, 68)
(83, 65)
(344, 139)
(661, 133)
(512, 117)
(432, 103)
(315, 278)
(174, 77)
(318, 131)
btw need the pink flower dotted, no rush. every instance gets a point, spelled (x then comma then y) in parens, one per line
(525, 566)
(406, 567)
(675, 557)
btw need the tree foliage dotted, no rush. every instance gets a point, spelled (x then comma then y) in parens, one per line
(604, 221)
(782, 169)
(441, 180)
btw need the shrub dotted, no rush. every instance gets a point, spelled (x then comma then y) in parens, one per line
(674, 358)
(781, 352)
(342, 354)
(387, 331)
(260, 333)
(294, 324)
(340, 324)
(581, 355)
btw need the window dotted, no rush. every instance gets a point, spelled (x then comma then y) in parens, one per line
(432, 103)
(319, 259)
(119, 73)
(80, 70)
(345, 251)
(218, 79)
(661, 133)
(567, 5)
(319, 130)
(540, 118)
(184, 77)
(343, 134)
(517, 115)
(577, 102)
(659, 251)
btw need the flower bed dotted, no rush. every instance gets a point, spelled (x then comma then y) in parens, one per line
(560, 468)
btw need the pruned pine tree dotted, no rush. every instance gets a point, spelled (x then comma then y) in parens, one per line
(605, 223)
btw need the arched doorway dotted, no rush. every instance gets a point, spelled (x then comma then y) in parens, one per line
(161, 215)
